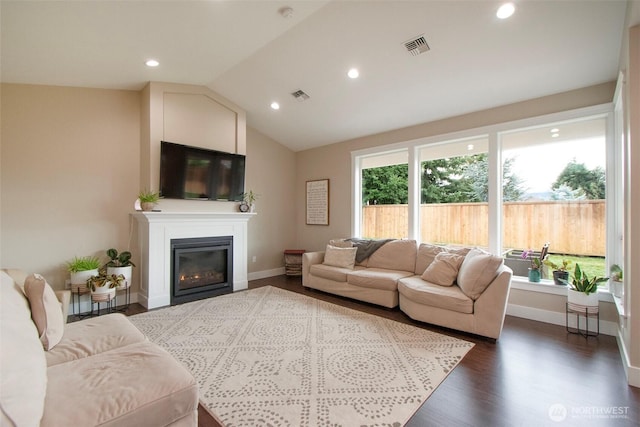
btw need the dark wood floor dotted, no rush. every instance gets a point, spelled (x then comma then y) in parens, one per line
(533, 368)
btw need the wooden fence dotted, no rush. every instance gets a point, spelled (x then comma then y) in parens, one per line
(572, 227)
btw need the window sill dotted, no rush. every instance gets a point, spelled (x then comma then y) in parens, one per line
(548, 287)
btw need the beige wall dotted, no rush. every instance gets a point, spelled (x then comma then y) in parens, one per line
(71, 170)
(270, 174)
(70, 162)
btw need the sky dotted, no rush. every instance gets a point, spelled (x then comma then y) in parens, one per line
(539, 166)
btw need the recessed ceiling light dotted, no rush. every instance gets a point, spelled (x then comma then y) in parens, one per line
(353, 73)
(470, 147)
(152, 63)
(555, 135)
(505, 11)
(275, 105)
(554, 130)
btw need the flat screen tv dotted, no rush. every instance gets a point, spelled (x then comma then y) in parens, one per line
(200, 174)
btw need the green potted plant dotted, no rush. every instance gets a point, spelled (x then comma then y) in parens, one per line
(583, 290)
(535, 265)
(249, 199)
(148, 199)
(81, 269)
(560, 271)
(616, 283)
(120, 264)
(104, 285)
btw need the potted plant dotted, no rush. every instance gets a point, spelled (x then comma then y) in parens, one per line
(616, 283)
(583, 291)
(120, 264)
(535, 265)
(148, 199)
(81, 269)
(103, 286)
(560, 271)
(249, 199)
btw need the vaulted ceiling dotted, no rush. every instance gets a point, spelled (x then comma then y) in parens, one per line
(254, 53)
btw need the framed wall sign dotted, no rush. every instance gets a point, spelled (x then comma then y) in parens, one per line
(318, 202)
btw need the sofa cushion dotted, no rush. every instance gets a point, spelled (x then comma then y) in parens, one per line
(340, 257)
(93, 336)
(135, 385)
(427, 253)
(395, 255)
(445, 297)
(337, 274)
(477, 271)
(425, 256)
(377, 278)
(45, 310)
(444, 269)
(23, 370)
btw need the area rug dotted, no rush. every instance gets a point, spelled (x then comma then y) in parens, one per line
(273, 357)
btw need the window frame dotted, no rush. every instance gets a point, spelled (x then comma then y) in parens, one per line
(613, 223)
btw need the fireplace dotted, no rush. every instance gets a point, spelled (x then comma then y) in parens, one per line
(201, 267)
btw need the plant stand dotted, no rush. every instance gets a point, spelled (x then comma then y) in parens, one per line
(586, 312)
(127, 298)
(76, 292)
(108, 298)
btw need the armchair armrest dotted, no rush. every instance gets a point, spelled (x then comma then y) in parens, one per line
(64, 297)
(308, 259)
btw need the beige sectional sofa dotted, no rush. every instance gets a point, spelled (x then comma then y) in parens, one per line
(459, 288)
(100, 371)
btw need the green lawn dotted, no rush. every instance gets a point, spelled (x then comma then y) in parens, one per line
(590, 265)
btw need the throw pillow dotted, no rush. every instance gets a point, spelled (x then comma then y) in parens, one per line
(45, 310)
(426, 254)
(477, 271)
(444, 269)
(340, 243)
(340, 257)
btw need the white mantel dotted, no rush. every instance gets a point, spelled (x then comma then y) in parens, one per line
(155, 231)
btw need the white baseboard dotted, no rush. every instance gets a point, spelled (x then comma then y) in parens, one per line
(555, 318)
(266, 273)
(632, 372)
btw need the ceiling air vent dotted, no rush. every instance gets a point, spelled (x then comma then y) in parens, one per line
(417, 45)
(300, 96)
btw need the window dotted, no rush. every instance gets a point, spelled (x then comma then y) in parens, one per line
(454, 193)
(555, 175)
(385, 195)
(511, 186)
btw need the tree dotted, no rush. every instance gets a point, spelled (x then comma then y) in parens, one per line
(576, 176)
(386, 185)
(477, 174)
(443, 180)
(449, 180)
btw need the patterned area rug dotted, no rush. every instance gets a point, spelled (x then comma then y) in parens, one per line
(273, 357)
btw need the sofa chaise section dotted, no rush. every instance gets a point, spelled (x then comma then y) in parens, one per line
(102, 372)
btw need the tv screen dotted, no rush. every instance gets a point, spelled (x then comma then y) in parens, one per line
(197, 173)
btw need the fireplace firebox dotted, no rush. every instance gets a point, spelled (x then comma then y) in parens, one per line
(201, 268)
